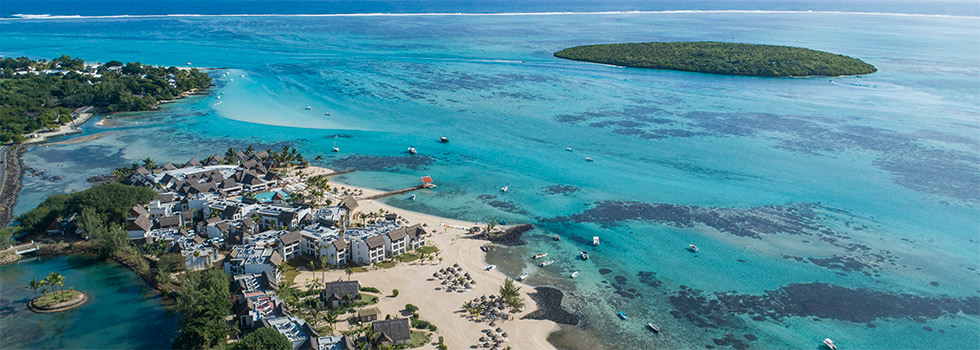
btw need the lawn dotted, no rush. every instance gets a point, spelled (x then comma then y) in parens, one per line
(428, 249)
(290, 269)
(407, 257)
(386, 264)
(369, 299)
(419, 338)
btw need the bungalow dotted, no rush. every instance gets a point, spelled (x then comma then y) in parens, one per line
(252, 307)
(394, 331)
(250, 260)
(289, 245)
(345, 293)
(135, 212)
(416, 235)
(368, 314)
(169, 221)
(192, 163)
(296, 330)
(139, 227)
(54, 228)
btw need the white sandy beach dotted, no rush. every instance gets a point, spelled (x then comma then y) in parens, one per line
(416, 285)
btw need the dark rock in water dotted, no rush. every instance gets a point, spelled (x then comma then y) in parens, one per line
(604, 271)
(842, 263)
(101, 179)
(559, 189)
(751, 337)
(549, 307)
(510, 237)
(620, 279)
(740, 260)
(927, 328)
(649, 279)
(934, 284)
(338, 136)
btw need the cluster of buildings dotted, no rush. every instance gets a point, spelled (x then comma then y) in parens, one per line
(245, 209)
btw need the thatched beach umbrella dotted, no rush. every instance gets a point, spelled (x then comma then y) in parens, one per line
(483, 339)
(499, 330)
(504, 335)
(493, 324)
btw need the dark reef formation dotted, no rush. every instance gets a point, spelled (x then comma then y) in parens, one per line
(814, 300)
(549, 307)
(381, 163)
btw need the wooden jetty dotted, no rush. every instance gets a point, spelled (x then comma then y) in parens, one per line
(392, 193)
(340, 172)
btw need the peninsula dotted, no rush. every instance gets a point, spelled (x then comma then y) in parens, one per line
(721, 58)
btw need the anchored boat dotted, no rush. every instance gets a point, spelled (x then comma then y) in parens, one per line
(595, 240)
(622, 315)
(585, 256)
(574, 274)
(830, 344)
(522, 276)
(693, 248)
(540, 255)
(653, 327)
(412, 150)
(546, 263)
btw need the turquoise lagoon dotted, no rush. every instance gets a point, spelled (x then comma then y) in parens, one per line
(124, 312)
(819, 204)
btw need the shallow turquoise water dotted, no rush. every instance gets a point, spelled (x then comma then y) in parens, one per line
(869, 183)
(124, 312)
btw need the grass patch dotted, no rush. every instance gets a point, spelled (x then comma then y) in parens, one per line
(386, 264)
(54, 298)
(419, 338)
(290, 269)
(357, 269)
(428, 249)
(407, 257)
(368, 299)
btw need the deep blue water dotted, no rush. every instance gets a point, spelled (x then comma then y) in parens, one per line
(819, 204)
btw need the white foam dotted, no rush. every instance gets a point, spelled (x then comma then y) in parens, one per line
(383, 14)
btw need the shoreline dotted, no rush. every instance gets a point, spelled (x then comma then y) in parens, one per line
(414, 279)
(72, 304)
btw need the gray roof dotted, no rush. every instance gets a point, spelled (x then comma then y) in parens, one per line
(168, 166)
(165, 197)
(375, 242)
(275, 259)
(141, 223)
(192, 162)
(415, 231)
(394, 329)
(169, 221)
(349, 202)
(340, 290)
(340, 244)
(137, 210)
(290, 238)
(397, 234)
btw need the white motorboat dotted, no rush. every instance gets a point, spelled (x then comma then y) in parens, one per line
(830, 344)
(692, 247)
(574, 274)
(655, 328)
(336, 149)
(595, 240)
(541, 255)
(588, 159)
(546, 263)
(491, 267)
(412, 150)
(505, 189)
(522, 276)
(568, 149)
(309, 108)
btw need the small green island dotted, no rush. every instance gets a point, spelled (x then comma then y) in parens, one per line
(721, 58)
(58, 299)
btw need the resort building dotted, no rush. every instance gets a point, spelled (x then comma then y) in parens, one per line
(251, 260)
(299, 333)
(340, 293)
(394, 331)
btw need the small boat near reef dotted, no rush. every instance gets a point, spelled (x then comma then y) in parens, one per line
(540, 255)
(546, 263)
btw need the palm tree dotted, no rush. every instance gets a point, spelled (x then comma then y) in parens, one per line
(332, 319)
(148, 164)
(55, 278)
(490, 226)
(323, 265)
(35, 285)
(349, 271)
(229, 155)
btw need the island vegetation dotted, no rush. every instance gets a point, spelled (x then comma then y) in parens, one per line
(721, 58)
(58, 299)
(39, 94)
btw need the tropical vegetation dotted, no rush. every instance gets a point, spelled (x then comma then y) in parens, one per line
(36, 94)
(721, 58)
(204, 300)
(264, 339)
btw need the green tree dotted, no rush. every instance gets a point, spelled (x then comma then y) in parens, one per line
(511, 293)
(171, 263)
(35, 284)
(55, 279)
(264, 339)
(203, 301)
(349, 271)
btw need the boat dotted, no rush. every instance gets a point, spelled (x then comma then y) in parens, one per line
(327, 114)
(491, 267)
(574, 274)
(692, 247)
(568, 149)
(622, 315)
(588, 159)
(412, 150)
(411, 198)
(335, 149)
(829, 343)
(655, 328)
(505, 189)
(541, 255)
(546, 263)
(309, 108)
(585, 256)
(557, 238)
(522, 276)
(243, 75)
(485, 248)
(595, 240)
(443, 139)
